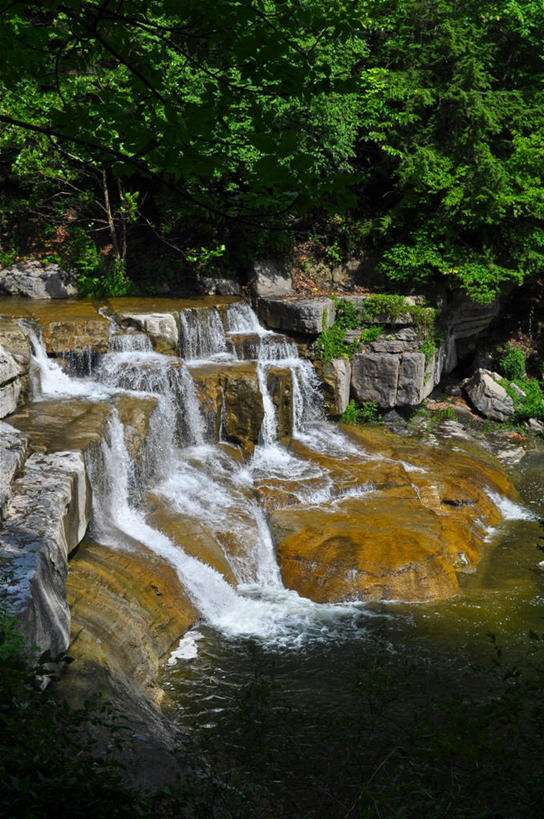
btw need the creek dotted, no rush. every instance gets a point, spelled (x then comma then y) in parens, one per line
(257, 533)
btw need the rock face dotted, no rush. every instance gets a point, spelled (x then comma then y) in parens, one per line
(298, 316)
(269, 279)
(44, 520)
(232, 403)
(404, 537)
(14, 366)
(13, 446)
(489, 397)
(335, 377)
(31, 279)
(143, 597)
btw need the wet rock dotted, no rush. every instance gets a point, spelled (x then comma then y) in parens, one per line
(44, 521)
(30, 278)
(336, 377)
(135, 415)
(419, 519)
(162, 329)
(269, 279)
(299, 316)
(280, 386)
(57, 425)
(244, 410)
(10, 383)
(489, 397)
(87, 336)
(128, 612)
(13, 446)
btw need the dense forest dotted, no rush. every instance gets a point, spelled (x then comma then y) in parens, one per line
(162, 140)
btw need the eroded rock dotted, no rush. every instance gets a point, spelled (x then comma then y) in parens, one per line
(336, 377)
(13, 446)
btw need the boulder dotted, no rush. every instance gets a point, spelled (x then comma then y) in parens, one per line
(375, 378)
(44, 520)
(30, 278)
(269, 279)
(489, 397)
(336, 377)
(299, 316)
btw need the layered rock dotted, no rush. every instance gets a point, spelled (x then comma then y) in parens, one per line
(298, 316)
(232, 404)
(14, 366)
(419, 519)
(128, 611)
(335, 376)
(13, 447)
(44, 520)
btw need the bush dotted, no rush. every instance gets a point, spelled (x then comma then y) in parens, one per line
(512, 363)
(366, 413)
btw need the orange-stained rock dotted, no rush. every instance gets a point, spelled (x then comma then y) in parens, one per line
(422, 519)
(128, 611)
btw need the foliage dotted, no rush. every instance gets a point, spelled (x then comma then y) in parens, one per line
(366, 413)
(452, 129)
(332, 343)
(512, 363)
(109, 280)
(347, 314)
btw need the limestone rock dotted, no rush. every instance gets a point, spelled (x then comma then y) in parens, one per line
(15, 341)
(128, 611)
(269, 279)
(375, 377)
(336, 377)
(298, 316)
(10, 383)
(135, 415)
(66, 337)
(489, 397)
(44, 521)
(31, 279)
(13, 445)
(420, 518)
(535, 426)
(244, 411)
(162, 329)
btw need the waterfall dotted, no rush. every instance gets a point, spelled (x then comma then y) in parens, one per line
(202, 334)
(198, 482)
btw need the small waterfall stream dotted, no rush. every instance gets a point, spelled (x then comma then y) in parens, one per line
(196, 480)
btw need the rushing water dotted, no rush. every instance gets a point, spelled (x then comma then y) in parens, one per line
(311, 651)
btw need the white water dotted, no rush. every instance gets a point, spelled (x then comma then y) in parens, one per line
(212, 495)
(201, 483)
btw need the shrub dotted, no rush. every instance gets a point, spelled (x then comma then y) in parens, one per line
(512, 363)
(366, 413)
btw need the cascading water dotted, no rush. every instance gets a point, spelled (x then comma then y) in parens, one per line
(199, 482)
(210, 496)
